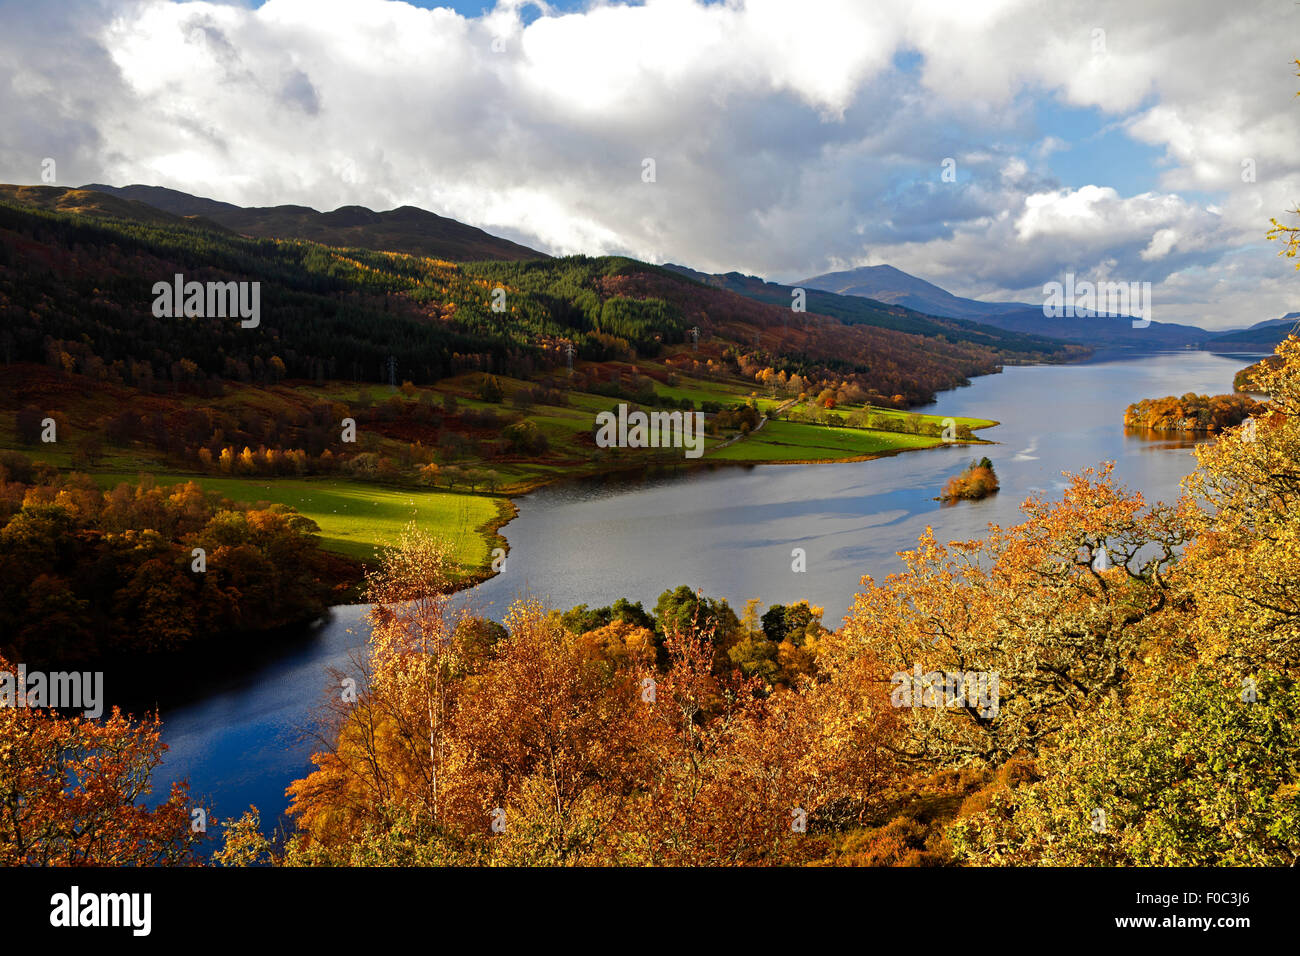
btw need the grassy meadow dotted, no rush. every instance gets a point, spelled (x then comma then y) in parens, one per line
(358, 515)
(356, 519)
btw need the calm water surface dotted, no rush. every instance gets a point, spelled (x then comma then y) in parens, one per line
(729, 532)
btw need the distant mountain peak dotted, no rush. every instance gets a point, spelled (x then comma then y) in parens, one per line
(886, 283)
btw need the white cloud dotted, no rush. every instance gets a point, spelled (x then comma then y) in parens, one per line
(785, 137)
(1097, 214)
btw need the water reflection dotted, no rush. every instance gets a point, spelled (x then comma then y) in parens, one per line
(727, 530)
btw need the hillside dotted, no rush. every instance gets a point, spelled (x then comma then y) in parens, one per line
(890, 285)
(86, 202)
(896, 287)
(853, 309)
(285, 412)
(339, 314)
(845, 336)
(1262, 336)
(1102, 331)
(405, 229)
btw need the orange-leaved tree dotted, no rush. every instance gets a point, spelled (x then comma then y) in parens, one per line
(72, 792)
(990, 646)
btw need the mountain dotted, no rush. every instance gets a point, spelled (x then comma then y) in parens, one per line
(1289, 319)
(1103, 331)
(1262, 336)
(855, 309)
(85, 202)
(896, 287)
(76, 290)
(405, 229)
(887, 284)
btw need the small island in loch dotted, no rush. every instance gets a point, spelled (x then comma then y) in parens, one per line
(977, 480)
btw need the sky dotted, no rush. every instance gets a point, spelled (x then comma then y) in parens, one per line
(989, 147)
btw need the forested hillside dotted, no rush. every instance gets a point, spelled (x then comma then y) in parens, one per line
(76, 292)
(269, 432)
(854, 309)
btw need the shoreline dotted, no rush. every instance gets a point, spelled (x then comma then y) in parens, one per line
(508, 508)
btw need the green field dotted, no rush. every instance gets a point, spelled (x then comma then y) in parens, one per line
(724, 393)
(568, 429)
(785, 441)
(939, 419)
(794, 441)
(355, 519)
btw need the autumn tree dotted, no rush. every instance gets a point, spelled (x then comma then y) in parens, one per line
(559, 745)
(1248, 548)
(1059, 608)
(548, 742)
(390, 742)
(742, 777)
(1192, 759)
(1190, 772)
(72, 792)
(977, 480)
